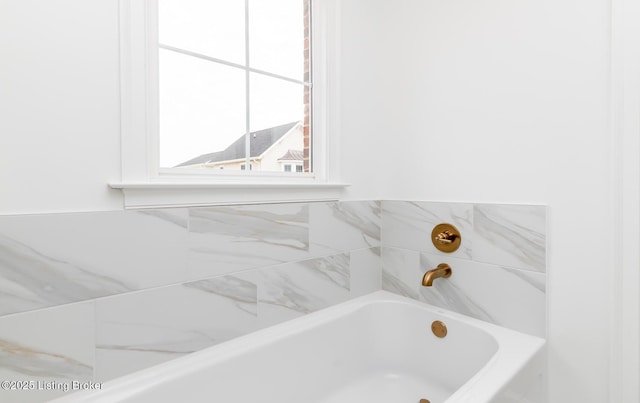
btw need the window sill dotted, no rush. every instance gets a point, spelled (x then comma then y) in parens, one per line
(181, 194)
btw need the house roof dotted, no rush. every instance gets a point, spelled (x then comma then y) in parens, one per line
(292, 155)
(260, 141)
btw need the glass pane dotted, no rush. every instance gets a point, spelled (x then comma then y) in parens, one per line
(211, 27)
(277, 117)
(277, 36)
(202, 110)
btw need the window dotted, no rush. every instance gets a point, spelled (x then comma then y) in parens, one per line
(299, 167)
(234, 83)
(171, 73)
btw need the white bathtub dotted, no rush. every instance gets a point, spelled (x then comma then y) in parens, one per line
(377, 348)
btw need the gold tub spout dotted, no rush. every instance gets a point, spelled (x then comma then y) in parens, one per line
(443, 270)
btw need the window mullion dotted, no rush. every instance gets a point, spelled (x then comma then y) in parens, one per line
(232, 64)
(200, 56)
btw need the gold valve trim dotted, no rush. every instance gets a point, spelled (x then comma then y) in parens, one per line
(446, 238)
(439, 329)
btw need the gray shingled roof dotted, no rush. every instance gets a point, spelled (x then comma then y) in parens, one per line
(260, 142)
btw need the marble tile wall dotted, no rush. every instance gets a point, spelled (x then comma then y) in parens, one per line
(92, 296)
(42, 352)
(499, 271)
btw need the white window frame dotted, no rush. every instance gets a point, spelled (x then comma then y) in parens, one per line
(145, 185)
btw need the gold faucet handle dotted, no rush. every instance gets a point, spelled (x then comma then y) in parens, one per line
(445, 237)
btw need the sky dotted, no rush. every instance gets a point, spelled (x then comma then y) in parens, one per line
(202, 103)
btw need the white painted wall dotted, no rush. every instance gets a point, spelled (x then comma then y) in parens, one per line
(59, 105)
(498, 101)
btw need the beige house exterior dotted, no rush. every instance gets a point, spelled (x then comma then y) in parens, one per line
(277, 149)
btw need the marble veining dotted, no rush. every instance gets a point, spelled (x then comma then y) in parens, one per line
(207, 258)
(338, 227)
(536, 280)
(281, 225)
(365, 216)
(148, 327)
(306, 286)
(365, 271)
(393, 284)
(334, 269)
(284, 292)
(171, 341)
(513, 236)
(401, 272)
(30, 280)
(227, 239)
(141, 349)
(448, 295)
(42, 364)
(145, 344)
(176, 216)
(241, 292)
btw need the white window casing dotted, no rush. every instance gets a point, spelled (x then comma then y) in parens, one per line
(145, 185)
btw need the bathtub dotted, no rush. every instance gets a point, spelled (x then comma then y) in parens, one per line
(376, 348)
